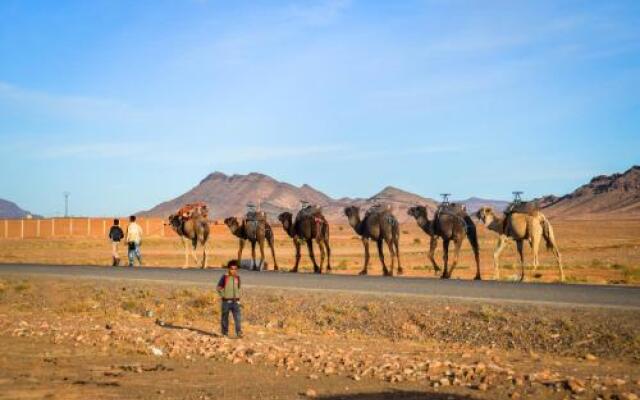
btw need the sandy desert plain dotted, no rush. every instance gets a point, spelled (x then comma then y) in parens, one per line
(595, 250)
(72, 338)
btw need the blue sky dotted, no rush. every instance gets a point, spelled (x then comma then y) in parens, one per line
(126, 104)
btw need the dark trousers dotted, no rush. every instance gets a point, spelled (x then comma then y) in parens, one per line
(234, 308)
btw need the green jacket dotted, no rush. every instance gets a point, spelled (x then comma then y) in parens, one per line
(229, 287)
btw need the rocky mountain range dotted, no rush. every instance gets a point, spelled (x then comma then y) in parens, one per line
(228, 195)
(9, 209)
(617, 194)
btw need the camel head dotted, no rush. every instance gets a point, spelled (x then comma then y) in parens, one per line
(486, 215)
(417, 211)
(352, 211)
(175, 221)
(232, 223)
(286, 219)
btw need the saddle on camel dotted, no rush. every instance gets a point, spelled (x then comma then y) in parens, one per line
(190, 210)
(455, 209)
(384, 209)
(531, 208)
(311, 210)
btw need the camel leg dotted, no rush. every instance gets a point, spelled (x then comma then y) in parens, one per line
(433, 244)
(396, 243)
(445, 257)
(186, 252)
(321, 247)
(240, 248)
(392, 253)
(261, 246)
(297, 246)
(502, 241)
(254, 266)
(457, 244)
(535, 247)
(326, 245)
(205, 255)
(549, 237)
(194, 245)
(365, 243)
(316, 269)
(558, 257)
(273, 254)
(385, 271)
(520, 247)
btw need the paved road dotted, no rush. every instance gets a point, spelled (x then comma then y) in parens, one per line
(583, 295)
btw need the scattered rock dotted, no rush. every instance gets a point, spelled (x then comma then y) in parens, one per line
(575, 385)
(156, 351)
(311, 393)
(482, 387)
(590, 357)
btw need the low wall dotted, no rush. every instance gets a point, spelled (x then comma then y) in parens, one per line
(82, 227)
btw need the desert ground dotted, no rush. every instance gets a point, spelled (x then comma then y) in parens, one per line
(600, 251)
(78, 339)
(72, 338)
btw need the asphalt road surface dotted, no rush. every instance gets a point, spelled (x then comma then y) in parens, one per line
(488, 291)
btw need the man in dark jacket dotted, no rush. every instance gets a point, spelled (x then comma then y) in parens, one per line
(229, 291)
(115, 235)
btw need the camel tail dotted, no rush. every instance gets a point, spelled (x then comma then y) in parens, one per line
(472, 234)
(547, 233)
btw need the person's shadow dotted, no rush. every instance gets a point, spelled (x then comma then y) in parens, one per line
(397, 395)
(169, 325)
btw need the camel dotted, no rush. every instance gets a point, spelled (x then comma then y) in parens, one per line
(196, 229)
(520, 227)
(380, 225)
(451, 223)
(309, 225)
(255, 231)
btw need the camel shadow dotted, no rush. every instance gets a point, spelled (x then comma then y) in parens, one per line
(168, 325)
(397, 395)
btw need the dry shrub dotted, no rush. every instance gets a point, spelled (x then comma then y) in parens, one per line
(201, 301)
(22, 287)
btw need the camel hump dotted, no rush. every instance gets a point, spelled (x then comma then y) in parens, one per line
(256, 216)
(455, 209)
(379, 209)
(311, 210)
(523, 207)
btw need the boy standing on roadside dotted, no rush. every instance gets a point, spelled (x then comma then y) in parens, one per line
(115, 235)
(229, 291)
(134, 239)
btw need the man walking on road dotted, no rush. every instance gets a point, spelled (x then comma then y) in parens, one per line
(229, 291)
(134, 239)
(115, 235)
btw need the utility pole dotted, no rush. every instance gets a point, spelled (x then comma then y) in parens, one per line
(66, 203)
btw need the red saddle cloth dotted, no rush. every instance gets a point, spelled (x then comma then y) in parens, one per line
(189, 210)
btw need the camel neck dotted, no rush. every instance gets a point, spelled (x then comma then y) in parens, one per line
(356, 224)
(289, 228)
(424, 223)
(497, 224)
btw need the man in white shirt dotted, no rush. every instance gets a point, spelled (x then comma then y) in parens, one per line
(134, 239)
